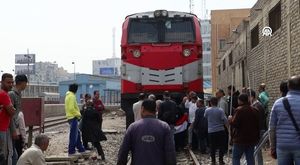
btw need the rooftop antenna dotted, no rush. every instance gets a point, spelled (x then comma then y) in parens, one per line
(204, 11)
(114, 41)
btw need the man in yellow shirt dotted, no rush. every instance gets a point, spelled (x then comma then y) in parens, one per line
(73, 115)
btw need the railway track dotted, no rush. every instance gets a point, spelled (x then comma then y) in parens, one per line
(50, 122)
(186, 157)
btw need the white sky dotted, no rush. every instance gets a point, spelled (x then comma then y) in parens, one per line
(77, 30)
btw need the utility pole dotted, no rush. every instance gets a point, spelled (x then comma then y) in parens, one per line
(191, 6)
(30, 127)
(114, 41)
(74, 71)
(28, 61)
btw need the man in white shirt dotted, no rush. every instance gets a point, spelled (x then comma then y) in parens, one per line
(222, 103)
(137, 107)
(34, 155)
(21, 132)
(191, 105)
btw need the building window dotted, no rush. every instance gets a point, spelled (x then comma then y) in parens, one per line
(254, 36)
(224, 63)
(206, 58)
(219, 69)
(275, 17)
(230, 59)
(221, 44)
(205, 28)
(206, 46)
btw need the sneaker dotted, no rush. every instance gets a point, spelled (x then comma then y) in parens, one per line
(85, 154)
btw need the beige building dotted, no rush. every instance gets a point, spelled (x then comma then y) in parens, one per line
(253, 58)
(223, 22)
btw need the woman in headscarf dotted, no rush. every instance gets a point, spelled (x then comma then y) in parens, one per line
(91, 131)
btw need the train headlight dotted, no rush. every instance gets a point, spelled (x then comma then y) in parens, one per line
(186, 52)
(164, 13)
(160, 13)
(157, 13)
(136, 53)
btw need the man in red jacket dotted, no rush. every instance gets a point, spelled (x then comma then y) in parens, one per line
(98, 105)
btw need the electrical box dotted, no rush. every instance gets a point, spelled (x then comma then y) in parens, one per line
(33, 109)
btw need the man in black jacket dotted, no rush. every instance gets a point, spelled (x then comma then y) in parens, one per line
(200, 125)
(235, 94)
(168, 110)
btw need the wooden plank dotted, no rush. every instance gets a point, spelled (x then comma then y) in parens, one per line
(110, 131)
(195, 160)
(59, 163)
(62, 158)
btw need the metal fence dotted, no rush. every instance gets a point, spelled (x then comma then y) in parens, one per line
(111, 97)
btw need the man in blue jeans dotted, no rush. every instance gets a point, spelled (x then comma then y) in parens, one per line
(245, 136)
(284, 139)
(73, 115)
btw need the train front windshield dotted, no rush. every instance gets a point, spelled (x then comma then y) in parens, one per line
(167, 30)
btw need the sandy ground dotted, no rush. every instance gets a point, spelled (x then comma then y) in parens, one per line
(59, 139)
(113, 121)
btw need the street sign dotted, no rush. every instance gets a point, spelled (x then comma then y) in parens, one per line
(25, 69)
(24, 58)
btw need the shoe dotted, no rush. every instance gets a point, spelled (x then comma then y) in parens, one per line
(76, 154)
(88, 148)
(102, 156)
(221, 162)
(86, 152)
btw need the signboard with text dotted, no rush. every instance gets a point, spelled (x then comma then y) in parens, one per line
(109, 71)
(24, 69)
(24, 58)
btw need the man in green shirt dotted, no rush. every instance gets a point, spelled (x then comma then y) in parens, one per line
(263, 97)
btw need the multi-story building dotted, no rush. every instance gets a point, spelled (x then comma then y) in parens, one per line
(223, 23)
(108, 67)
(206, 46)
(253, 57)
(48, 72)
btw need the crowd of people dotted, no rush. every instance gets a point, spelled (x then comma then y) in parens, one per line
(232, 124)
(13, 139)
(85, 124)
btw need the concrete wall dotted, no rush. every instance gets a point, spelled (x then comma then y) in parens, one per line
(53, 110)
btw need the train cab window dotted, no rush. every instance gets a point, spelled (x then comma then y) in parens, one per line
(179, 30)
(143, 31)
(147, 30)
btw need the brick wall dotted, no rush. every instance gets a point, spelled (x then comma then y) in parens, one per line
(275, 58)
